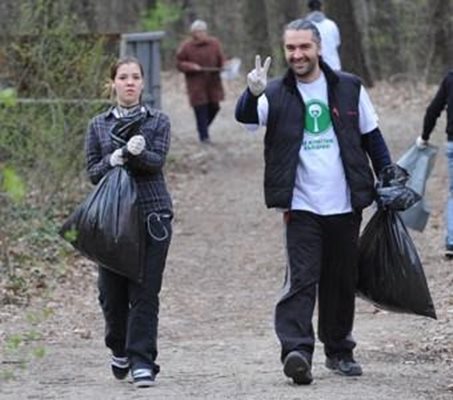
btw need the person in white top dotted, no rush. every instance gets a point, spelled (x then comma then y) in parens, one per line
(321, 133)
(330, 34)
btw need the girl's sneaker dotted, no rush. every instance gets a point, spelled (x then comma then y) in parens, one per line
(143, 377)
(120, 367)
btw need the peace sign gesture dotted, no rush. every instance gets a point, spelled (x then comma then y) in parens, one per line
(257, 78)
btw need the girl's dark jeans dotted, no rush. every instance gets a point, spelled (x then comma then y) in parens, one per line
(131, 309)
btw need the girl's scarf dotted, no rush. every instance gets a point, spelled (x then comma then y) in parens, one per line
(128, 124)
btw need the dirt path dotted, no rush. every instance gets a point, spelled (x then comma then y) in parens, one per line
(224, 272)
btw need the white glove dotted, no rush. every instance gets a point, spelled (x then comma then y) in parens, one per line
(421, 143)
(136, 145)
(257, 78)
(117, 158)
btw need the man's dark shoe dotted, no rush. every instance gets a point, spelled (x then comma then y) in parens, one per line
(297, 367)
(346, 366)
(120, 367)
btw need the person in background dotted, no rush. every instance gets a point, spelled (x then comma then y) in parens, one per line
(321, 131)
(330, 34)
(131, 309)
(442, 100)
(201, 59)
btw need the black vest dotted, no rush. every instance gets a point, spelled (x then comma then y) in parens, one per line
(284, 135)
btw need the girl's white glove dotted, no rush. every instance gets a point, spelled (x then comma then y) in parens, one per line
(117, 158)
(136, 145)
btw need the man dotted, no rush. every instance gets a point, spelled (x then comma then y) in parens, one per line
(330, 35)
(321, 126)
(201, 59)
(442, 99)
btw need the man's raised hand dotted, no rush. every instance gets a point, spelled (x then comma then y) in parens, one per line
(257, 78)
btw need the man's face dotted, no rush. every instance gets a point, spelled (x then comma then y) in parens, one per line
(199, 35)
(302, 54)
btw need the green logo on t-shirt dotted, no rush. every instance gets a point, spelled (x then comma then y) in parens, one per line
(317, 117)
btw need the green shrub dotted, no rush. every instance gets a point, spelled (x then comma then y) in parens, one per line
(56, 78)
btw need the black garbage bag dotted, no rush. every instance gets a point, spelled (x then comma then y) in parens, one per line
(391, 275)
(108, 226)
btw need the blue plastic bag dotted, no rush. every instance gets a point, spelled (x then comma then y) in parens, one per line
(419, 163)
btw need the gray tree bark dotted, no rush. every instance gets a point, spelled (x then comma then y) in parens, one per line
(443, 39)
(348, 15)
(257, 36)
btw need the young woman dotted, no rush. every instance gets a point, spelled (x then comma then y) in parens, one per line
(130, 308)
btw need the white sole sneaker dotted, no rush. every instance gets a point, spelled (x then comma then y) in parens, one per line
(143, 378)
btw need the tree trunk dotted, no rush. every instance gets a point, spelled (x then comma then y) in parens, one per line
(443, 43)
(347, 15)
(255, 22)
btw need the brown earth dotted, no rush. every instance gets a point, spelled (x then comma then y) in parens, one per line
(223, 275)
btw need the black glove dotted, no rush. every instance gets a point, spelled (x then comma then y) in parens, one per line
(392, 191)
(397, 198)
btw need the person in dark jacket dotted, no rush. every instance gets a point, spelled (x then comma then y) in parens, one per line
(130, 308)
(201, 59)
(321, 130)
(442, 100)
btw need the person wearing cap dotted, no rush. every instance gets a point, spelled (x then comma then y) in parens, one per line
(321, 133)
(443, 99)
(201, 59)
(330, 34)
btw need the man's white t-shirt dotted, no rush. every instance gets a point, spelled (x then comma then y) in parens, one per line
(320, 185)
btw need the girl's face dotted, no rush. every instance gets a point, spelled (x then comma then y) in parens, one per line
(128, 84)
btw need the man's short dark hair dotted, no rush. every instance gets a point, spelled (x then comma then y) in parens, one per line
(304, 24)
(315, 5)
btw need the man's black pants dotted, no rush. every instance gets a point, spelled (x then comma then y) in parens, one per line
(322, 257)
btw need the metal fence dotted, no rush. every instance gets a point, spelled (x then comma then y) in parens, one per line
(145, 46)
